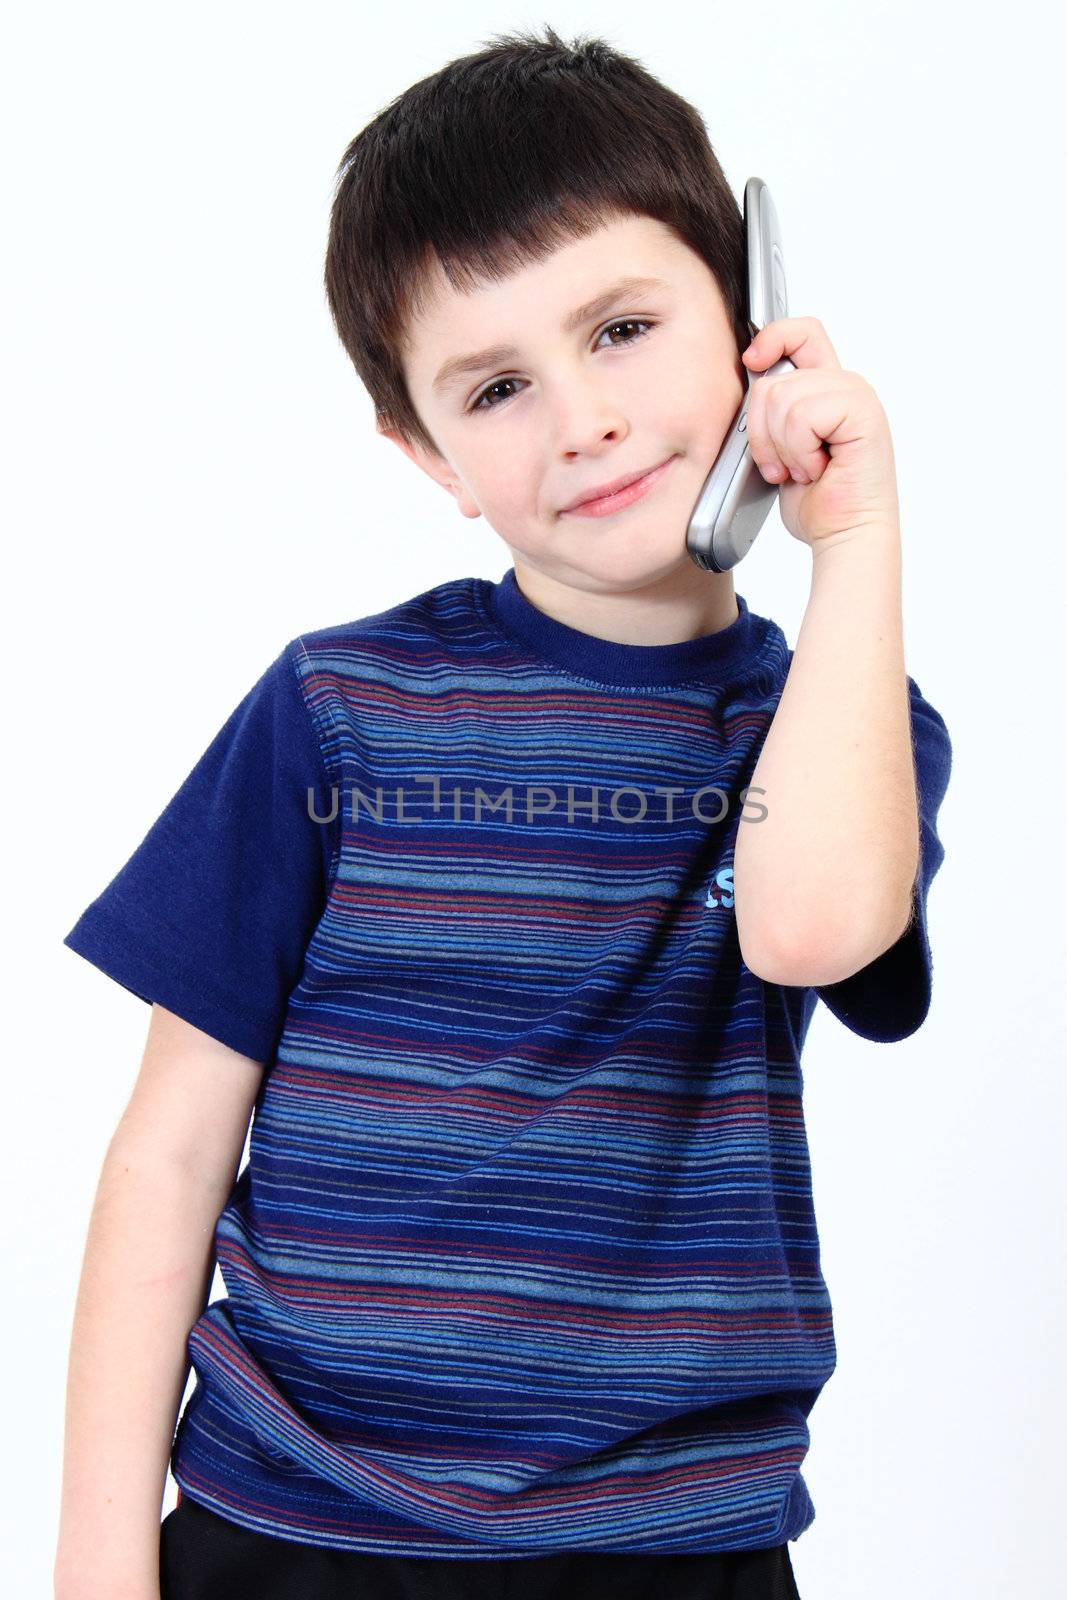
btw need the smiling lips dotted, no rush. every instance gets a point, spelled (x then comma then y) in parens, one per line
(604, 504)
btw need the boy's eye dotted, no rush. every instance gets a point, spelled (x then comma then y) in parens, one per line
(478, 403)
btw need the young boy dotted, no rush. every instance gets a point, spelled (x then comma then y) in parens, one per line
(523, 1278)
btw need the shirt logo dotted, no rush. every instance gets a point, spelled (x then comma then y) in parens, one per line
(721, 890)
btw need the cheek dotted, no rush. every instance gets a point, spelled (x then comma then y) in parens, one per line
(713, 407)
(506, 478)
(698, 398)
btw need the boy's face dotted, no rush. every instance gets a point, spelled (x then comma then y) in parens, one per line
(572, 408)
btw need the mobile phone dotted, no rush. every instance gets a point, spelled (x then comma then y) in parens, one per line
(736, 497)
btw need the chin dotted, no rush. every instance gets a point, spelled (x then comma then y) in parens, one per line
(638, 568)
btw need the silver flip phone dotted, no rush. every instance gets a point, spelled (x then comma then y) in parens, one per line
(736, 497)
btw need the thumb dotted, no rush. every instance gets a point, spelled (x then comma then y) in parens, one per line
(764, 348)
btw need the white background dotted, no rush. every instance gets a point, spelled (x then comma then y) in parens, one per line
(192, 479)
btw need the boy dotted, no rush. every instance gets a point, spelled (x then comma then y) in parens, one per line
(523, 1272)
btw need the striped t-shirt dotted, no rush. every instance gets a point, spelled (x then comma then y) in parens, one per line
(524, 1258)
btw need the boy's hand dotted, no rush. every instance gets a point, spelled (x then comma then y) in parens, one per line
(824, 424)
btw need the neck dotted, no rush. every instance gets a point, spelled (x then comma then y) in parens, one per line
(667, 611)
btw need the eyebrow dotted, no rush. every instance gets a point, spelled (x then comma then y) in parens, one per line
(496, 355)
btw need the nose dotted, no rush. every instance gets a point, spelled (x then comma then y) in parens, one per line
(586, 418)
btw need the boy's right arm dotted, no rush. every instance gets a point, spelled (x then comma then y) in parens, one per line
(146, 1277)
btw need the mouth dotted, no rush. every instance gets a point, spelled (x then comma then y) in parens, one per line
(604, 505)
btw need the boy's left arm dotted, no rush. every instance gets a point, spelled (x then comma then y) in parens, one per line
(823, 883)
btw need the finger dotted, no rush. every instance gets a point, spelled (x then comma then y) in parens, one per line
(794, 421)
(784, 414)
(803, 339)
(800, 413)
(761, 445)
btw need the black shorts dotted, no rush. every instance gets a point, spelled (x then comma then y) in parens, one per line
(204, 1557)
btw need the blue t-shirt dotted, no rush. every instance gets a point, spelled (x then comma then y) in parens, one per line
(524, 1257)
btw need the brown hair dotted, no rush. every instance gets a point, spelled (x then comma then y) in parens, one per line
(495, 161)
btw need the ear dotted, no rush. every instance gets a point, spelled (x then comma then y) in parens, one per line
(436, 467)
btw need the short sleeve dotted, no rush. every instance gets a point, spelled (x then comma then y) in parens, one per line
(212, 913)
(889, 999)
